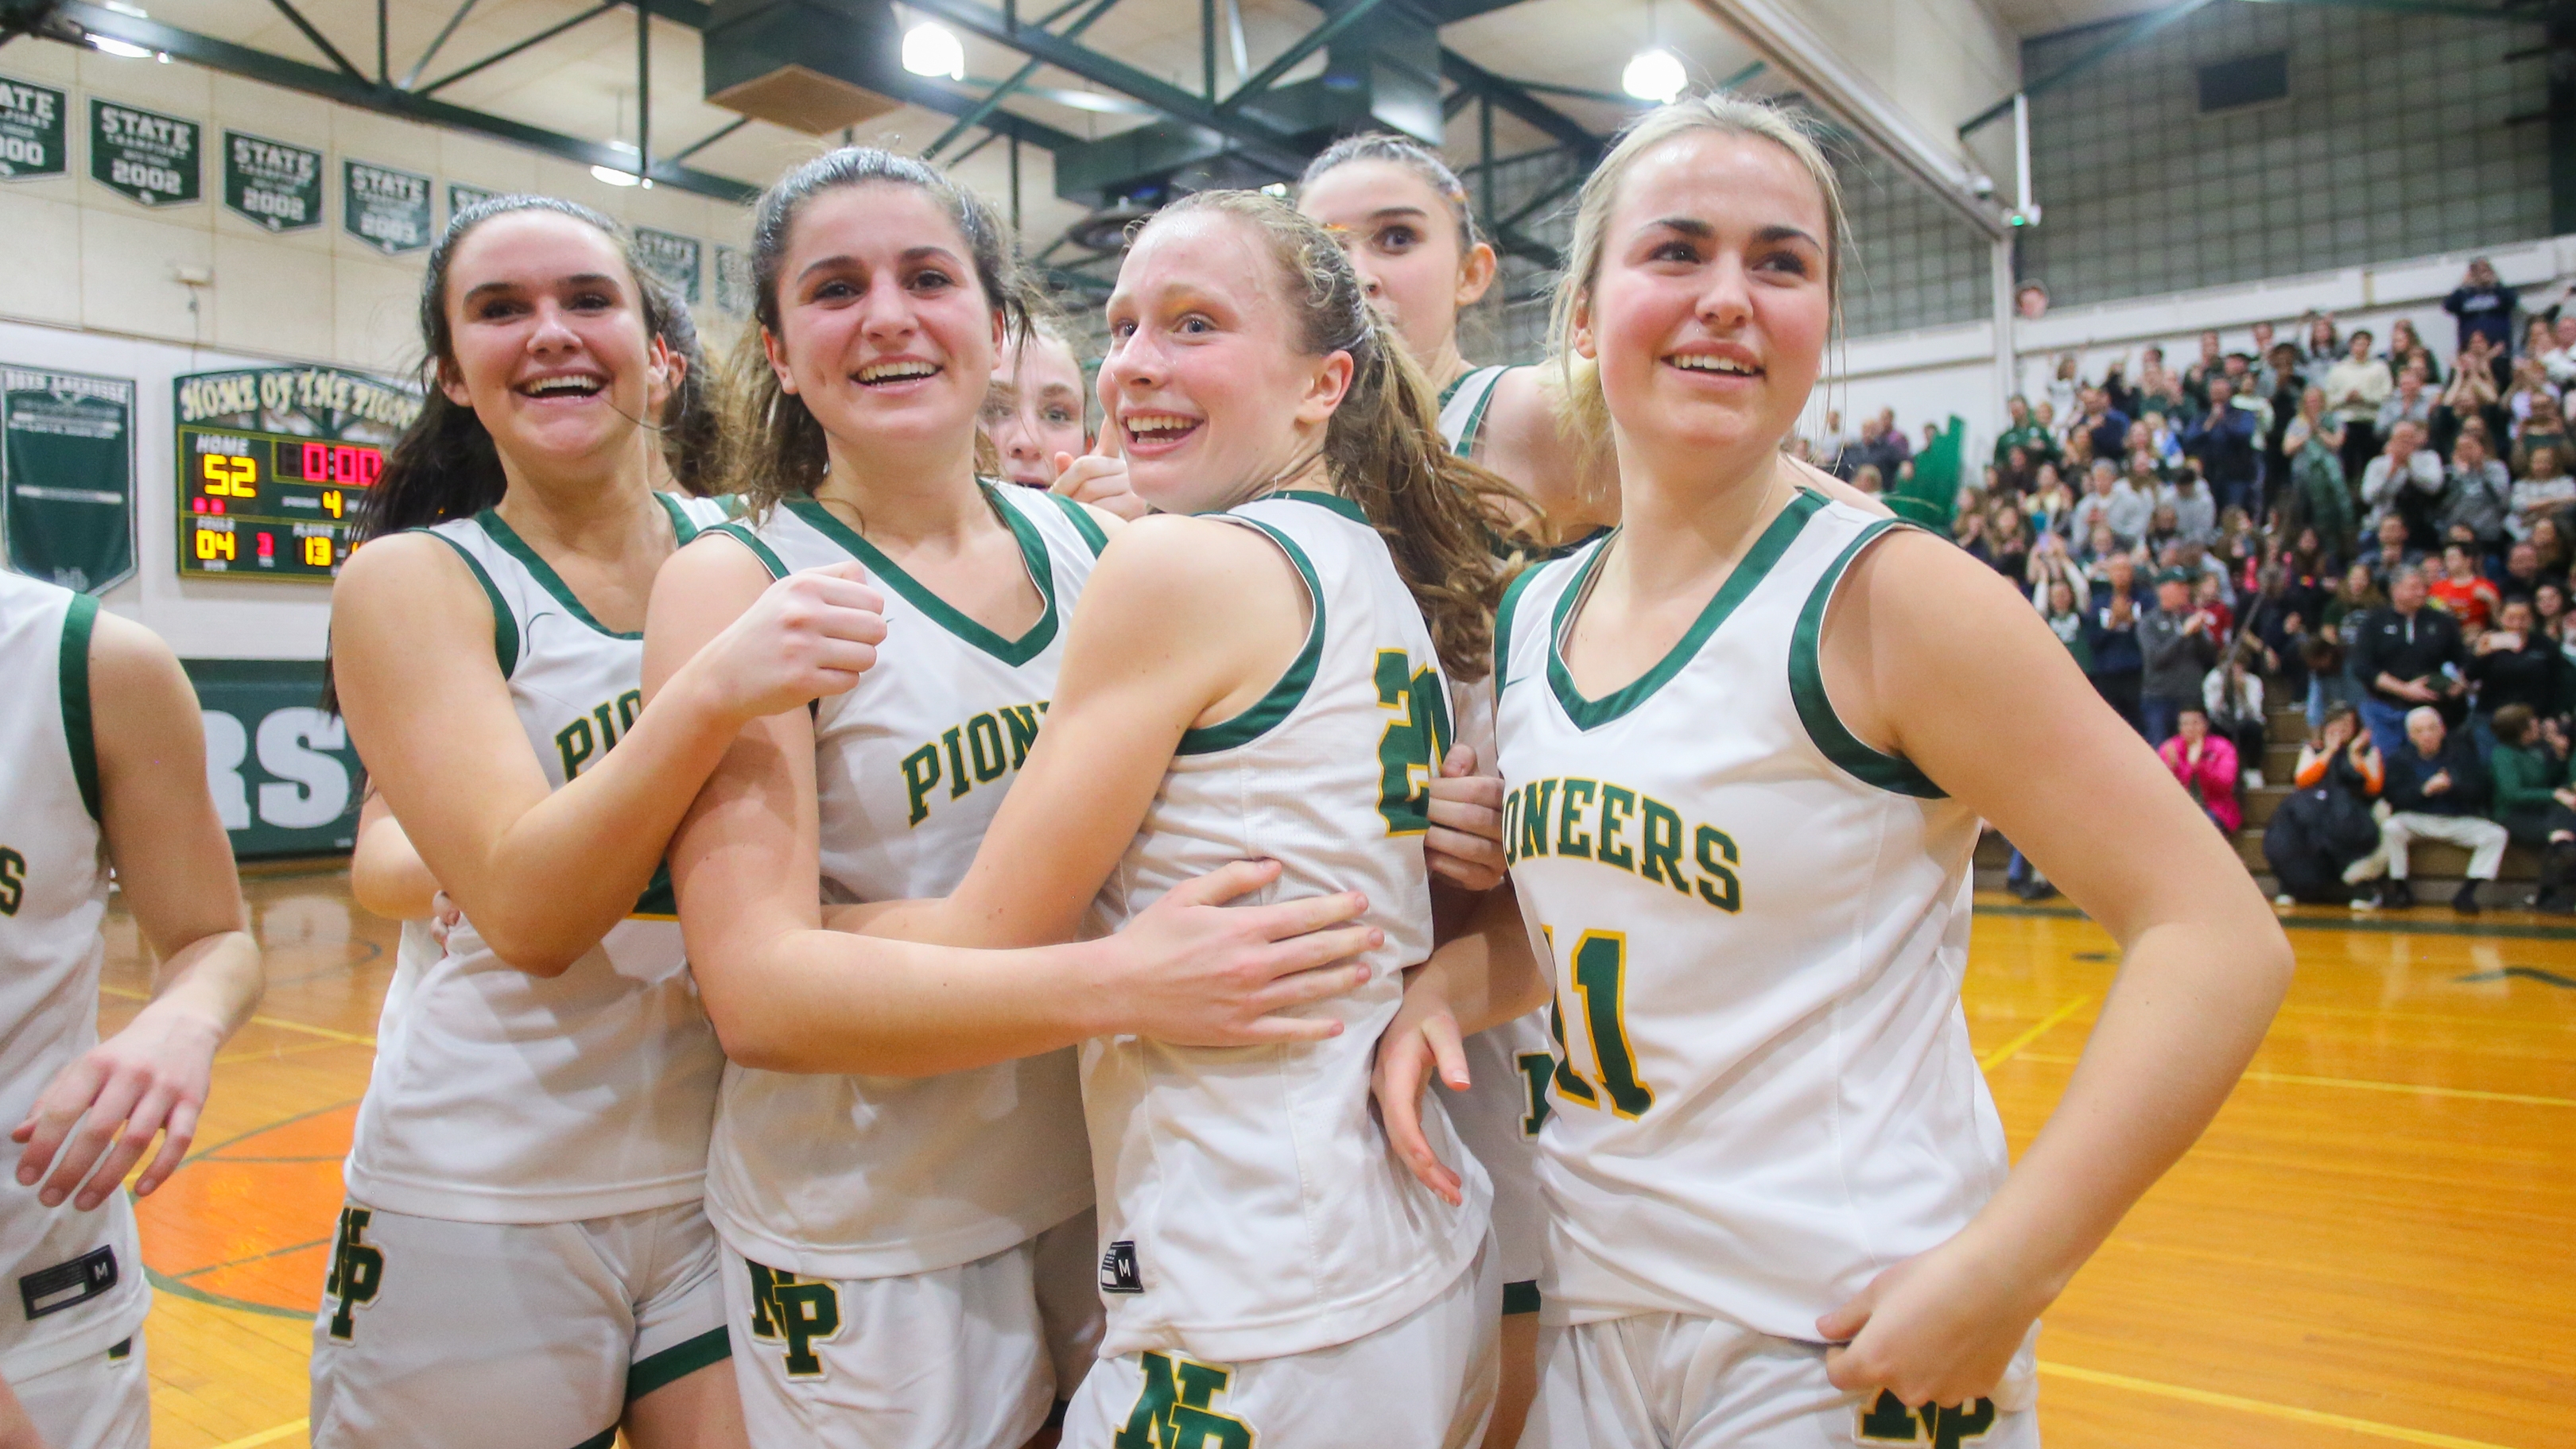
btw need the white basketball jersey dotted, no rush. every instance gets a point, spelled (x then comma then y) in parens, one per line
(1500, 1112)
(848, 1177)
(1248, 1198)
(504, 1097)
(75, 1283)
(1757, 924)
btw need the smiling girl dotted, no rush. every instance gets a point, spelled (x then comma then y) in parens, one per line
(899, 1169)
(523, 1259)
(1263, 672)
(1746, 767)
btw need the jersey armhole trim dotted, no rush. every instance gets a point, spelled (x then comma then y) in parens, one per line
(79, 619)
(1083, 523)
(768, 556)
(1892, 773)
(1503, 615)
(505, 625)
(1266, 712)
(683, 527)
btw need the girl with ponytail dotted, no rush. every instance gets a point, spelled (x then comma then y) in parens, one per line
(523, 1260)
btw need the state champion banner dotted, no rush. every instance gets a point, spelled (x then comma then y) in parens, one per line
(32, 130)
(67, 476)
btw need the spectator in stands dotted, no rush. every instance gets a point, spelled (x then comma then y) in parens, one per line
(2549, 541)
(2318, 495)
(2521, 578)
(2163, 530)
(2118, 663)
(2104, 425)
(2557, 894)
(2100, 547)
(2323, 840)
(2405, 482)
(2177, 645)
(2475, 392)
(2196, 378)
(2051, 504)
(2545, 427)
(1834, 444)
(1865, 478)
(2355, 387)
(2024, 432)
(2406, 657)
(2195, 509)
(2228, 442)
(2411, 403)
(2276, 366)
(2063, 610)
(2477, 494)
(2232, 699)
(2438, 791)
(2464, 591)
(2392, 553)
(2515, 664)
(2206, 766)
(2110, 499)
(2209, 598)
(2278, 621)
(2559, 362)
(2542, 492)
(2529, 777)
(2484, 306)
(2324, 346)
(2536, 339)
(1892, 437)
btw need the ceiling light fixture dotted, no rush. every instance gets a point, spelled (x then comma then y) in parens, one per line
(1655, 75)
(934, 50)
(122, 50)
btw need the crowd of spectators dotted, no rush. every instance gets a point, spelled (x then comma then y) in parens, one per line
(2334, 519)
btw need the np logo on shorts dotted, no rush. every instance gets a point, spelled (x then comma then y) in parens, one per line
(1176, 1408)
(1888, 1421)
(357, 1272)
(797, 1312)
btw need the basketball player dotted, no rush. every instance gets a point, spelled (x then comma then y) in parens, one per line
(1747, 764)
(1261, 680)
(523, 1259)
(904, 1193)
(104, 768)
(1034, 418)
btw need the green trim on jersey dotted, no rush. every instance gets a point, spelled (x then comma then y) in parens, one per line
(1815, 711)
(768, 556)
(1032, 552)
(1756, 566)
(1271, 708)
(1465, 447)
(683, 527)
(677, 1362)
(1503, 624)
(1083, 523)
(1521, 1297)
(80, 616)
(544, 573)
(505, 625)
(1334, 501)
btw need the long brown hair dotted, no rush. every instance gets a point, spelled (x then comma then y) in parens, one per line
(1383, 448)
(777, 447)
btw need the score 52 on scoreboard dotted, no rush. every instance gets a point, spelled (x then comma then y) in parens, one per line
(275, 464)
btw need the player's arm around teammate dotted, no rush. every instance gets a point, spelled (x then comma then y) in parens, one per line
(98, 1116)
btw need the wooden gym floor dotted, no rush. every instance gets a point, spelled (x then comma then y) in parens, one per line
(2376, 1243)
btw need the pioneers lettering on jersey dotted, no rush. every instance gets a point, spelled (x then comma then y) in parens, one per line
(579, 743)
(972, 753)
(1575, 818)
(13, 879)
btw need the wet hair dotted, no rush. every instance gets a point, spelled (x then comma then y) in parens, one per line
(778, 449)
(445, 465)
(1382, 447)
(1581, 409)
(692, 436)
(1413, 156)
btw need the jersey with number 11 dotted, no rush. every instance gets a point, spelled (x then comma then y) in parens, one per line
(1764, 1092)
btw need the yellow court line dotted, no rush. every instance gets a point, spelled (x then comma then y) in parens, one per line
(271, 1436)
(273, 1053)
(2250, 1406)
(2048, 1023)
(320, 1031)
(2287, 1079)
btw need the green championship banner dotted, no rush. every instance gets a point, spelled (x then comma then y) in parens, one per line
(32, 131)
(275, 464)
(671, 257)
(385, 208)
(461, 196)
(733, 280)
(272, 184)
(284, 776)
(144, 156)
(67, 476)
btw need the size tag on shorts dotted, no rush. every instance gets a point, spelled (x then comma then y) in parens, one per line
(1118, 1273)
(68, 1285)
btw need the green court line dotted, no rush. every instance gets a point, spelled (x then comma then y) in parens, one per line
(195, 1294)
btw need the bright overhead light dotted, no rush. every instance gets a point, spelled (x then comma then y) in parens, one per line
(1655, 75)
(614, 177)
(107, 45)
(934, 50)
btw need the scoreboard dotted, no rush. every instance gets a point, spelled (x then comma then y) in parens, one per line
(270, 504)
(275, 466)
